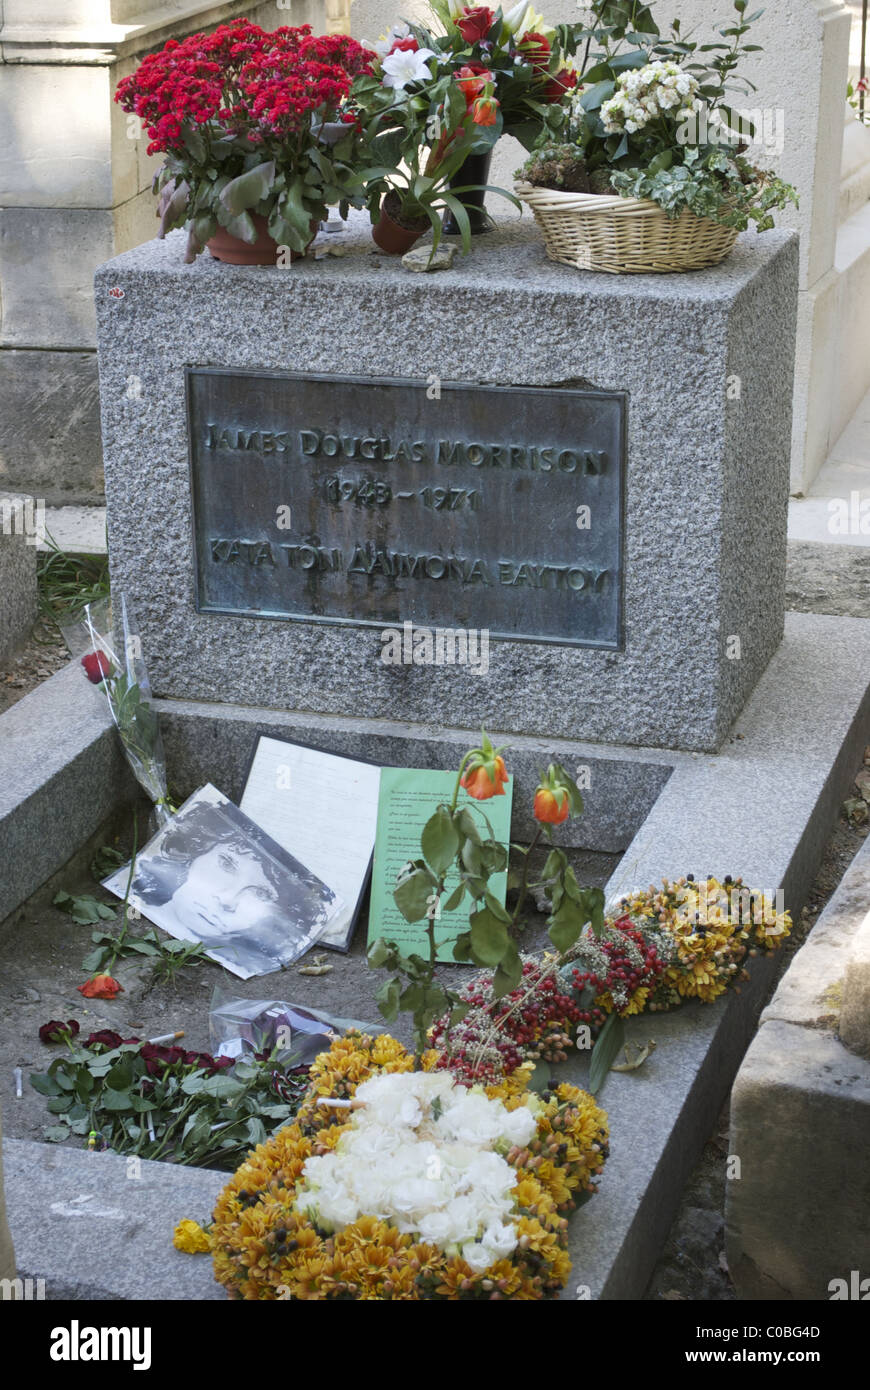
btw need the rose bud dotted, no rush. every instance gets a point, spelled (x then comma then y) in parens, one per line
(97, 666)
(484, 111)
(486, 779)
(485, 773)
(55, 1031)
(551, 808)
(100, 987)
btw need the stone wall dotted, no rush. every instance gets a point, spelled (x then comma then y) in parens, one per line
(75, 183)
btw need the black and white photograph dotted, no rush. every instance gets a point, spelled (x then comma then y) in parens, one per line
(215, 877)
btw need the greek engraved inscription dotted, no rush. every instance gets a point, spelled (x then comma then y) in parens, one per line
(495, 509)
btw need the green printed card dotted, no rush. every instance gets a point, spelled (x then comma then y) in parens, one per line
(408, 797)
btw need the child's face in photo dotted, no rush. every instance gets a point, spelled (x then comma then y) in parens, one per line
(225, 892)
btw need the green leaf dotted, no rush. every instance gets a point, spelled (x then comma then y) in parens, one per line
(462, 947)
(116, 1100)
(439, 841)
(412, 892)
(380, 953)
(412, 998)
(467, 826)
(44, 1084)
(604, 1053)
(94, 959)
(566, 924)
(387, 999)
(120, 1078)
(55, 1134)
(455, 899)
(58, 1105)
(509, 973)
(496, 907)
(248, 189)
(489, 938)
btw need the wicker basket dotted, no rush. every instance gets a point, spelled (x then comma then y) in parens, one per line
(625, 236)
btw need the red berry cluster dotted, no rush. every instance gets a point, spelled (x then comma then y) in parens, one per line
(242, 80)
(625, 973)
(532, 1022)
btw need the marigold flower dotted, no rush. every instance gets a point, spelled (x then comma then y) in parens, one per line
(100, 987)
(191, 1239)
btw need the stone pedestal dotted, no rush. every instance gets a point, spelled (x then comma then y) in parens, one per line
(705, 360)
(75, 187)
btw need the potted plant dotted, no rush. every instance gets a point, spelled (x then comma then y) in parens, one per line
(258, 133)
(485, 75)
(650, 172)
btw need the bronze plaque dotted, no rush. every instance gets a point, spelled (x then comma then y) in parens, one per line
(375, 501)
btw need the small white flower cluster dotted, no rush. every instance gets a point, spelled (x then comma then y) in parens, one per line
(645, 93)
(421, 1154)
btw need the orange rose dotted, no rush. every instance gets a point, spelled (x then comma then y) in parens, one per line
(472, 79)
(484, 111)
(486, 779)
(100, 987)
(551, 808)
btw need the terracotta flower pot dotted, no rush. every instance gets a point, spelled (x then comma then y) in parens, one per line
(391, 233)
(263, 251)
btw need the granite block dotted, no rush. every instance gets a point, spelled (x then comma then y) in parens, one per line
(62, 773)
(94, 1227)
(17, 574)
(707, 473)
(801, 1109)
(216, 742)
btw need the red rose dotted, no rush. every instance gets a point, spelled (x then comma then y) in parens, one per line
(472, 80)
(100, 987)
(107, 1038)
(565, 80)
(484, 111)
(535, 48)
(474, 24)
(55, 1031)
(408, 45)
(97, 666)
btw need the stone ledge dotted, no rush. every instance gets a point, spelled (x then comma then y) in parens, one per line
(799, 1215)
(62, 773)
(813, 993)
(93, 1233)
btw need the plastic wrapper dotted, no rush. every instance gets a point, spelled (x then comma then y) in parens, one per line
(298, 1032)
(120, 673)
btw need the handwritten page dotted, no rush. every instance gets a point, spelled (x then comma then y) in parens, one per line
(408, 798)
(323, 809)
